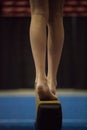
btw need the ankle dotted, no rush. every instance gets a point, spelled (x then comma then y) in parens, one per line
(41, 81)
(51, 82)
(40, 78)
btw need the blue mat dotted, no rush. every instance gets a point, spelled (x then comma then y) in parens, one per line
(18, 112)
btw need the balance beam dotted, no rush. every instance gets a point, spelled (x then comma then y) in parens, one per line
(49, 115)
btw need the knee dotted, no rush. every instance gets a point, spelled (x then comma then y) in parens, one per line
(41, 15)
(56, 12)
(55, 18)
(39, 8)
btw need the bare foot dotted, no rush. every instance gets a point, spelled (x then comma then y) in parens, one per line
(52, 86)
(44, 91)
(53, 90)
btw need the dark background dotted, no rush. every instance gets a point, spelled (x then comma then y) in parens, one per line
(16, 62)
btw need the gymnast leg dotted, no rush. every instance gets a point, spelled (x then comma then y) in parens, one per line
(39, 18)
(55, 41)
(47, 12)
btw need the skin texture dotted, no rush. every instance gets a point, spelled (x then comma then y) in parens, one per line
(46, 13)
